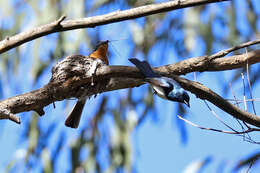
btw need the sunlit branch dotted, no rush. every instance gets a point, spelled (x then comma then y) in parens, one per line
(91, 22)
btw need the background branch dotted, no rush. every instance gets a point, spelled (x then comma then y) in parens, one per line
(90, 22)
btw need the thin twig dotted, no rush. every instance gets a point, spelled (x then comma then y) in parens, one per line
(244, 91)
(250, 166)
(60, 20)
(53, 104)
(244, 95)
(248, 139)
(237, 104)
(223, 53)
(233, 93)
(216, 130)
(249, 84)
(215, 114)
(238, 101)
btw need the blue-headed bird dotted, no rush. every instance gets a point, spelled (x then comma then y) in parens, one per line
(164, 87)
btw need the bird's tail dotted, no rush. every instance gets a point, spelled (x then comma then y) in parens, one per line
(144, 67)
(73, 118)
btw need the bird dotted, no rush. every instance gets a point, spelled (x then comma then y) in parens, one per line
(164, 87)
(100, 52)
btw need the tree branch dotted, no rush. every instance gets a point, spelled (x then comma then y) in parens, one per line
(218, 130)
(126, 77)
(205, 93)
(232, 49)
(203, 63)
(90, 22)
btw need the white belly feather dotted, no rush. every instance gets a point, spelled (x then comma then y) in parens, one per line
(159, 91)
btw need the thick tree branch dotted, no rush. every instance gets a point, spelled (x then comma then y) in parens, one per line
(60, 25)
(127, 77)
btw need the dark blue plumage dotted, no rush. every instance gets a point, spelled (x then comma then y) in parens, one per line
(164, 87)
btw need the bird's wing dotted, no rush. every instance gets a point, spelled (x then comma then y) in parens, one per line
(161, 82)
(173, 82)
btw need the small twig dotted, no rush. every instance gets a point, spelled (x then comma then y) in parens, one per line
(237, 104)
(217, 130)
(238, 101)
(233, 93)
(244, 92)
(215, 114)
(195, 76)
(223, 53)
(244, 95)
(60, 19)
(250, 166)
(249, 84)
(241, 125)
(53, 104)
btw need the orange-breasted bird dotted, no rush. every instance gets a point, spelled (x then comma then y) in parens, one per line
(73, 118)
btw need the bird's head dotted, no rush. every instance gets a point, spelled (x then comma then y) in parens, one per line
(101, 51)
(179, 95)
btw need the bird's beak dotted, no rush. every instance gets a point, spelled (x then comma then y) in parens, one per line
(187, 103)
